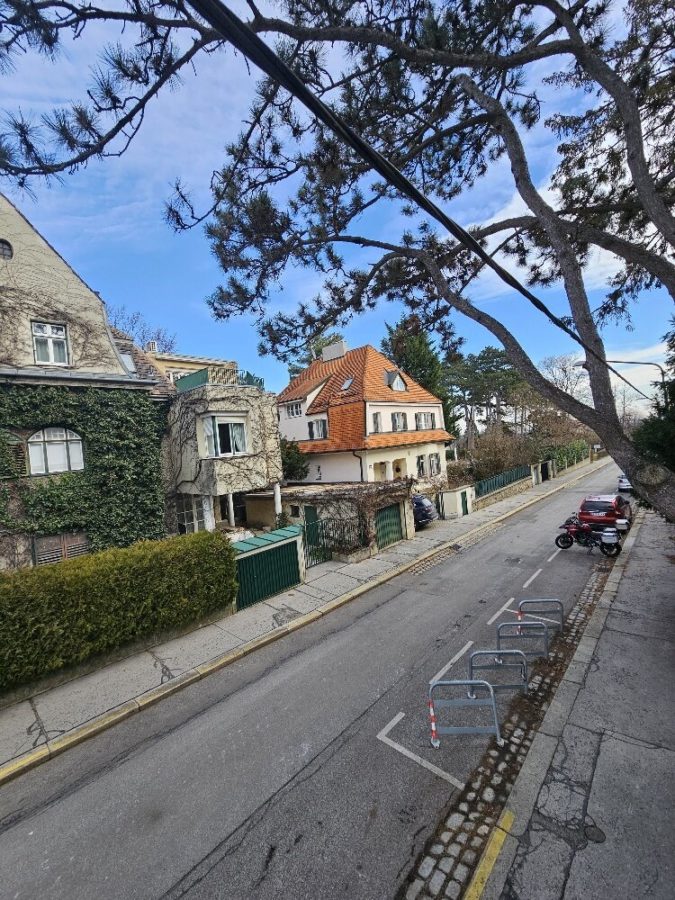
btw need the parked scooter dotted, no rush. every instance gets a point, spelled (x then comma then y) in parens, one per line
(577, 532)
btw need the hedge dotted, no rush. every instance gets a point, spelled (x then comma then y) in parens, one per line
(60, 615)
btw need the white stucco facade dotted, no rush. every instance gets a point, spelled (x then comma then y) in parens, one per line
(410, 409)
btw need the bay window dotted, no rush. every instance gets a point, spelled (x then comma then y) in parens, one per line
(224, 437)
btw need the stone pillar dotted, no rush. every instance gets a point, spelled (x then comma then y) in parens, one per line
(277, 499)
(209, 515)
(389, 471)
(230, 510)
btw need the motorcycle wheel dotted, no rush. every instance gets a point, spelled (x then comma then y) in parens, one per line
(610, 549)
(564, 541)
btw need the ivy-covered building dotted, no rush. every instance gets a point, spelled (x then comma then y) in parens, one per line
(81, 418)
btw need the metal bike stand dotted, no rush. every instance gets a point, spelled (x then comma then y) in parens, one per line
(437, 730)
(542, 608)
(519, 631)
(497, 662)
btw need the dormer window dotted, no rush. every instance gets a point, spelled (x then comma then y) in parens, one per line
(395, 382)
(50, 343)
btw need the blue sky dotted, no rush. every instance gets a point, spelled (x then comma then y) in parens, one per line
(107, 222)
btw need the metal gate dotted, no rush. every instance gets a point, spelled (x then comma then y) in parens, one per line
(266, 573)
(388, 525)
(324, 537)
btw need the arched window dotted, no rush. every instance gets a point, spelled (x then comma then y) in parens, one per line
(6, 251)
(55, 450)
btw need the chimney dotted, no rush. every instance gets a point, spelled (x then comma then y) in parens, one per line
(151, 346)
(334, 351)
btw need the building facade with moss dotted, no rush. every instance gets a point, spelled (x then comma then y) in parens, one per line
(81, 420)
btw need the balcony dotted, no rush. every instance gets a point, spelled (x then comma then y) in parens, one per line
(218, 375)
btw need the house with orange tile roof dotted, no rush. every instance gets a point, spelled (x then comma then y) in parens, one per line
(361, 419)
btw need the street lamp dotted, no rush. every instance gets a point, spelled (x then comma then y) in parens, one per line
(633, 362)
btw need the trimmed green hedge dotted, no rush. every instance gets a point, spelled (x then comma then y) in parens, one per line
(59, 615)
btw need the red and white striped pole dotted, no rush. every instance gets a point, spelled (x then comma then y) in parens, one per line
(520, 619)
(435, 743)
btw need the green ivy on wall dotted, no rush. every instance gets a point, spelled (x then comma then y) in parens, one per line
(117, 499)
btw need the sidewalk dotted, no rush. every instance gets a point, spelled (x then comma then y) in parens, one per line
(55, 719)
(593, 806)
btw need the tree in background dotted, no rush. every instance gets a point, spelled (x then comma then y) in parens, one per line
(135, 325)
(444, 89)
(312, 350)
(294, 463)
(409, 346)
(655, 436)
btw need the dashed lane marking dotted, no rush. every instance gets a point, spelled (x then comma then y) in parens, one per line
(501, 610)
(441, 672)
(531, 579)
(384, 737)
(553, 555)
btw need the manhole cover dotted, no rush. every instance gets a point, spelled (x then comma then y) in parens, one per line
(512, 560)
(595, 834)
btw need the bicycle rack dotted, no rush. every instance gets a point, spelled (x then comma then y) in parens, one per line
(523, 631)
(498, 662)
(541, 608)
(437, 730)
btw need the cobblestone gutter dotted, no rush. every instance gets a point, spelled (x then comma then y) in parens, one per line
(446, 865)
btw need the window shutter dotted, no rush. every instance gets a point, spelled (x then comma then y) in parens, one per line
(311, 430)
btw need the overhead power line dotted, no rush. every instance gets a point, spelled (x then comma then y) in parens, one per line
(238, 33)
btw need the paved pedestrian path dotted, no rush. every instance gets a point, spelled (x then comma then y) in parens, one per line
(594, 804)
(50, 721)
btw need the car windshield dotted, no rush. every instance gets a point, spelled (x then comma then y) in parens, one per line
(596, 506)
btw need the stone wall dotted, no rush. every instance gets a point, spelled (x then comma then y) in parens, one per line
(518, 487)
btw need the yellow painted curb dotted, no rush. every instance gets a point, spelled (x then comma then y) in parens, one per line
(168, 688)
(23, 763)
(490, 856)
(220, 662)
(89, 729)
(301, 621)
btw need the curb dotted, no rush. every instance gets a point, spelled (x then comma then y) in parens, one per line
(123, 711)
(493, 870)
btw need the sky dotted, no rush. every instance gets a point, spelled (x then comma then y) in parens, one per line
(107, 222)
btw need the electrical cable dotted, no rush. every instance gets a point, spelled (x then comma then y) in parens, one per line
(238, 33)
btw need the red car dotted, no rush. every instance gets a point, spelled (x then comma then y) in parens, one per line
(602, 510)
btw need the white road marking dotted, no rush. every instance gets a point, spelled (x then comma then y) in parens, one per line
(533, 616)
(531, 579)
(383, 736)
(553, 555)
(454, 659)
(500, 611)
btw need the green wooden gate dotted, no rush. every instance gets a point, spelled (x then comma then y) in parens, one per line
(268, 571)
(388, 525)
(317, 548)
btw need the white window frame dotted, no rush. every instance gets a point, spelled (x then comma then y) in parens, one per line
(397, 417)
(377, 423)
(191, 517)
(318, 425)
(51, 336)
(39, 455)
(425, 421)
(434, 464)
(293, 410)
(211, 424)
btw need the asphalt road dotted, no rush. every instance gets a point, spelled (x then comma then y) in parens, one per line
(268, 780)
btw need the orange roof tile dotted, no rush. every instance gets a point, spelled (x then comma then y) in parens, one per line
(367, 368)
(403, 438)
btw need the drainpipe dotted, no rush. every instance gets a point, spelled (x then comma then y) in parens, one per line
(360, 459)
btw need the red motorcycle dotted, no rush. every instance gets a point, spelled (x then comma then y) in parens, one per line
(577, 532)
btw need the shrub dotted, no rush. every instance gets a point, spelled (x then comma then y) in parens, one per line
(59, 615)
